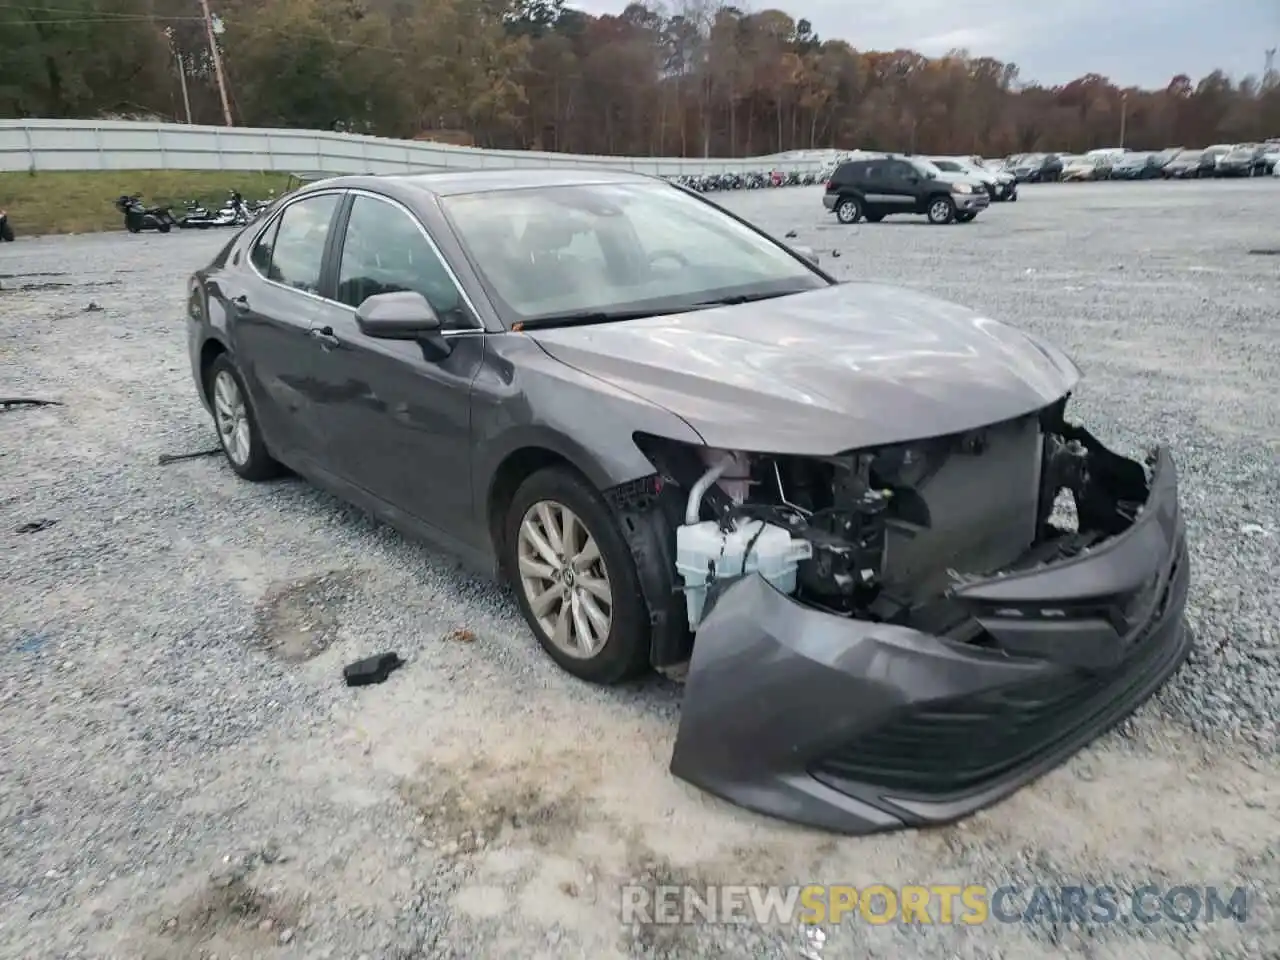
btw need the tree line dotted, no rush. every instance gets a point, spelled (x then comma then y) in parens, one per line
(696, 78)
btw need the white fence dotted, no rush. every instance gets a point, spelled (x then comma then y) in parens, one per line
(127, 145)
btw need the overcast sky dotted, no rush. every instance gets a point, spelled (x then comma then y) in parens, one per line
(1142, 42)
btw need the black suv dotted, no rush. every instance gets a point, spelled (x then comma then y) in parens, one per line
(877, 187)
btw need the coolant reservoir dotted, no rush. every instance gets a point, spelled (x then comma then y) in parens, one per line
(705, 553)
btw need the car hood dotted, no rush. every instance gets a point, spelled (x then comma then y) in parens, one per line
(946, 176)
(817, 373)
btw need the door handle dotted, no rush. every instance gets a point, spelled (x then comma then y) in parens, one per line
(324, 335)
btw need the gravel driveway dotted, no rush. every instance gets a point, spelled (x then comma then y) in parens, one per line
(183, 775)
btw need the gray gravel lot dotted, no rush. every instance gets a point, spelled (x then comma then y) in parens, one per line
(183, 775)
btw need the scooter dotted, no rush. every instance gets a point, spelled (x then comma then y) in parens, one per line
(138, 217)
(6, 229)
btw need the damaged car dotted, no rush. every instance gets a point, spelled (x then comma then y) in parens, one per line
(896, 575)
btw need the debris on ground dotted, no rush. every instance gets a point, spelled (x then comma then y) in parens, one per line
(371, 669)
(12, 403)
(35, 526)
(167, 458)
(460, 635)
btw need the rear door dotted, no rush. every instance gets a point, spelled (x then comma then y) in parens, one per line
(274, 314)
(398, 420)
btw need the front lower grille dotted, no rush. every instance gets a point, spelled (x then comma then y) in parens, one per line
(948, 747)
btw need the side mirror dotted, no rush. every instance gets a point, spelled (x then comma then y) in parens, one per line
(403, 315)
(808, 253)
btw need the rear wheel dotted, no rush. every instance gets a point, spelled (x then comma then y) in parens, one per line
(237, 425)
(6, 232)
(575, 578)
(848, 210)
(941, 210)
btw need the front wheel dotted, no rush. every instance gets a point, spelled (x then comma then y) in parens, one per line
(575, 578)
(848, 210)
(163, 227)
(941, 210)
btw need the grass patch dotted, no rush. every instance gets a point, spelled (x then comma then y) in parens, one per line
(75, 201)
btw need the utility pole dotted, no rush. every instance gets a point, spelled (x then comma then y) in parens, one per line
(182, 80)
(1124, 110)
(217, 63)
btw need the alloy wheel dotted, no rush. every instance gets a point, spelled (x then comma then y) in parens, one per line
(232, 418)
(564, 579)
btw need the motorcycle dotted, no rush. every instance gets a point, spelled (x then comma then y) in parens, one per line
(6, 229)
(139, 217)
(234, 213)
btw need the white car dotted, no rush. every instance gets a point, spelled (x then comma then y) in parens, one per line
(1000, 184)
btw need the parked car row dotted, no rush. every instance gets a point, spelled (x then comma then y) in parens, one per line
(1172, 163)
(752, 180)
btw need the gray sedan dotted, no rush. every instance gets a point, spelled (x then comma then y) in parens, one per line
(829, 506)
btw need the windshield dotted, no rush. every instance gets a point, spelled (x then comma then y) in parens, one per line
(616, 248)
(1242, 151)
(949, 166)
(925, 167)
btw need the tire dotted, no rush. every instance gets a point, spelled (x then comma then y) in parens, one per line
(965, 217)
(624, 651)
(941, 210)
(848, 210)
(6, 232)
(257, 465)
(163, 227)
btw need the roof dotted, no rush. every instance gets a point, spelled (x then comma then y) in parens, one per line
(452, 182)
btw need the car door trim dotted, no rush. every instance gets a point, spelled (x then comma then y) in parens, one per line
(332, 246)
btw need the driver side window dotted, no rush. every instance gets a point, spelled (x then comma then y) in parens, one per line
(385, 252)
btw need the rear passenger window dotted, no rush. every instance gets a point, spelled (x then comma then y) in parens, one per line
(260, 257)
(297, 252)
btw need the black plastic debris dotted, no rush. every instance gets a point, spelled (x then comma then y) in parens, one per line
(1266, 252)
(791, 234)
(371, 669)
(166, 458)
(12, 403)
(35, 526)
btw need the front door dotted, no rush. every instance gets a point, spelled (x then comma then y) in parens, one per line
(398, 419)
(274, 318)
(902, 182)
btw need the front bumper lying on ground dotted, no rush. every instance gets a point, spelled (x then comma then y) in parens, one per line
(858, 727)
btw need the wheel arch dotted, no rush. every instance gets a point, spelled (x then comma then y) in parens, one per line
(210, 350)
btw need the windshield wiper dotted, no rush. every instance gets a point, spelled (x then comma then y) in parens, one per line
(736, 299)
(584, 318)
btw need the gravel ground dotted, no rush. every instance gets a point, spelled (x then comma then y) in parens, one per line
(182, 774)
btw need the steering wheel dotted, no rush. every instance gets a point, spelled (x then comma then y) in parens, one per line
(678, 258)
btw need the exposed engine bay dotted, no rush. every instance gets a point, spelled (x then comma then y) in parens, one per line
(885, 534)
